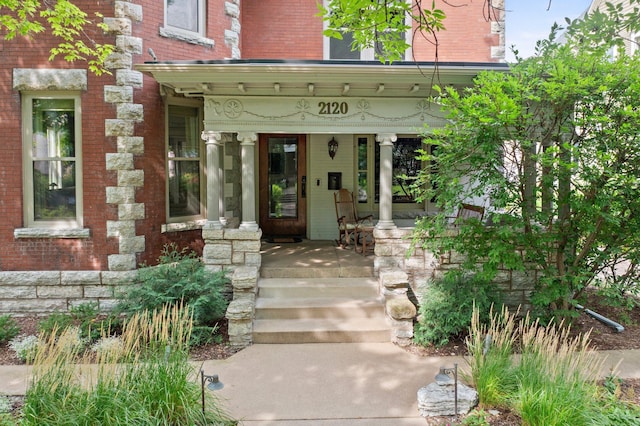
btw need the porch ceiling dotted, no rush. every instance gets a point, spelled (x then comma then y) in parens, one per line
(311, 78)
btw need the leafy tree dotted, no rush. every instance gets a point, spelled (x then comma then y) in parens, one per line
(553, 146)
(62, 19)
(376, 24)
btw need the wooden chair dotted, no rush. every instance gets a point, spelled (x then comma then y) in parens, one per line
(469, 211)
(347, 216)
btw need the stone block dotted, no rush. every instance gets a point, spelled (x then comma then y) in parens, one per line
(231, 9)
(380, 263)
(132, 144)
(237, 258)
(401, 309)
(217, 251)
(120, 194)
(117, 127)
(393, 278)
(119, 161)
(133, 112)
(98, 291)
(126, 43)
(244, 278)
(121, 228)
(122, 262)
(18, 291)
(438, 399)
(132, 244)
(118, 25)
(523, 280)
(106, 305)
(29, 278)
(134, 211)
(212, 234)
(252, 246)
(117, 94)
(49, 79)
(240, 310)
(242, 234)
(32, 306)
(125, 77)
(131, 178)
(125, 9)
(253, 259)
(80, 278)
(383, 249)
(118, 278)
(67, 291)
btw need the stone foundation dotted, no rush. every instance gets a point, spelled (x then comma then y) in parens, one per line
(422, 267)
(236, 251)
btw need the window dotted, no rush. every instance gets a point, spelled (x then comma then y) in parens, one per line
(340, 49)
(406, 167)
(53, 169)
(185, 15)
(184, 164)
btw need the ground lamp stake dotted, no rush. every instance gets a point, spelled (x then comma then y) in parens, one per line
(214, 384)
(443, 376)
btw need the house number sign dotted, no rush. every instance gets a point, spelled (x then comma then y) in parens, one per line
(333, 108)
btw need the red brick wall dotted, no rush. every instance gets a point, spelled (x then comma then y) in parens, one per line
(467, 36)
(276, 29)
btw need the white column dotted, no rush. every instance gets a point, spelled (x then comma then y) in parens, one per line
(247, 144)
(386, 141)
(212, 141)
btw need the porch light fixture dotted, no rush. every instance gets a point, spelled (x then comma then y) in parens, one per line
(333, 147)
(214, 384)
(443, 378)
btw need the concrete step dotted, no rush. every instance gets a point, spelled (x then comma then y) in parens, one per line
(322, 272)
(357, 288)
(338, 330)
(318, 307)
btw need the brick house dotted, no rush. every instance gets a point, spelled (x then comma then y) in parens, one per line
(211, 132)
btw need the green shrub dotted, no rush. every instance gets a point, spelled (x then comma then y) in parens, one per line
(447, 304)
(154, 387)
(25, 347)
(8, 328)
(180, 277)
(85, 316)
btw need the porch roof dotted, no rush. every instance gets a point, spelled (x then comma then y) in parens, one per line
(311, 78)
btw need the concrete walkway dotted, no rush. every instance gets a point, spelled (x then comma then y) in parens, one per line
(326, 384)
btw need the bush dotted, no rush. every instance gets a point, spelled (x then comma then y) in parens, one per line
(154, 386)
(446, 307)
(25, 347)
(86, 317)
(8, 328)
(180, 277)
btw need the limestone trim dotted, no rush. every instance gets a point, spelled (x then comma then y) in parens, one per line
(49, 79)
(123, 127)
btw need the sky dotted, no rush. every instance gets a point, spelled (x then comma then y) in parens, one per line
(528, 21)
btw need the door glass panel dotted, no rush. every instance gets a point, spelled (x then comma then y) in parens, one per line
(283, 177)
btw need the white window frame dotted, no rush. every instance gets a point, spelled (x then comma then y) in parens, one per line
(367, 54)
(192, 221)
(28, 184)
(202, 10)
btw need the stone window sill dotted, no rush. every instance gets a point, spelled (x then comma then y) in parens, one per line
(186, 36)
(23, 233)
(183, 226)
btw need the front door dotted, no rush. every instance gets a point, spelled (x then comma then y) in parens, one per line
(283, 185)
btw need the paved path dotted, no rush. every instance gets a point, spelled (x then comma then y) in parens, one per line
(326, 384)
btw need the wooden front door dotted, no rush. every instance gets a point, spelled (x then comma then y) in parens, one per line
(283, 185)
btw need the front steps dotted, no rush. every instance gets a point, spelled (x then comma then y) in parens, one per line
(319, 310)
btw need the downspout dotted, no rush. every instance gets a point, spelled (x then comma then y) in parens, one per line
(602, 319)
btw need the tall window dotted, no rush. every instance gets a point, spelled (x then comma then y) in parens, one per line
(184, 164)
(405, 169)
(185, 15)
(52, 155)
